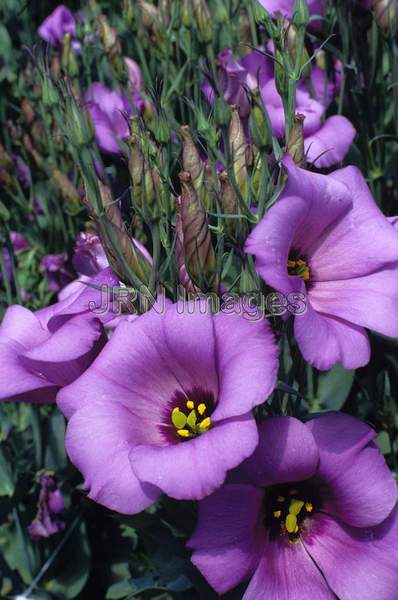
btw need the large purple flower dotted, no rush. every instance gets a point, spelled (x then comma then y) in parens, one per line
(327, 238)
(166, 407)
(109, 111)
(44, 350)
(57, 24)
(311, 514)
(326, 141)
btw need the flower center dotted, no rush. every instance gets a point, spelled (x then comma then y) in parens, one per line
(299, 268)
(287, 507)
(191, 420)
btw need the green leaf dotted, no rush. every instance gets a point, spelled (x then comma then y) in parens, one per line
(7, 483)
(334, 387)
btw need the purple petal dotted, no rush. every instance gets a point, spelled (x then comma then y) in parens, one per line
(247, 364)
(229, 535)
(325, 341)
(357, 563)
(286, 572)
(366, 301)
(193, 469)
(330, 143)
(98, 441)
(362, 491)
(286, 452)
(361, 243)
(57, 24)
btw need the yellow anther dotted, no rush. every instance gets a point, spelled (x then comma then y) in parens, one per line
(309, 507)
(295, 506)
(178, 418)
(190, 404)
(277, 514)
(280, 499)
(291, 523)
(291, 264)
(205, 424)
(184, 433)
(202, 408)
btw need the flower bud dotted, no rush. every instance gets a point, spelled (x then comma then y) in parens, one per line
(49, 92)
(203, 20)
(258, 124)
(191, 161)
(301, 15)
(289, 41)
(118, 245)
(236, 229)
(385, 14)
(199, 254)
(113, 50)
(183, 276)
(68, 58)
(186, 13)
(238, 147)
(295, 144)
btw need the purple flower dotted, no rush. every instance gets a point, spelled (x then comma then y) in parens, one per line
(327, 238)
(285, 7)
(89, 257)
(50, 504)
(58, 276)
(44, 350)
(158, 413)
(18, 243)
(311, 514)
(109, 111)
(57, 24)
(326, 142)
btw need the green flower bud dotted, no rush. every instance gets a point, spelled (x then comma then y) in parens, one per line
(385, 14)
(222, 112)
(295, 144)
(301, 15)
(203, 20)
(69, 60)
(258, 125)
(238, 148)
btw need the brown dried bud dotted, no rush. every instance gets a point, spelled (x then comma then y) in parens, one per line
(238, 148)
(295, 144)
(192, 163)
(200, 259)
(183, 276)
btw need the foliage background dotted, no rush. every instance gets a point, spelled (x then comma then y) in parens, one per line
(100, 554)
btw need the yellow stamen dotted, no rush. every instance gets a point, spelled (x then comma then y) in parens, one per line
(178, 418)
(291, 523)
(190, 404)
(295, 506)
(205, 424)
(280, 499)
(291, 264)
(202, 408)
(277, 514)
(184, 433)
(309, 507)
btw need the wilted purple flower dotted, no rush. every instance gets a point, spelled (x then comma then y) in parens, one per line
(50, 504)
(109, 111)
(325, 141)
(44, 350)
(157, 413)
(58, 276)
(311, 514)
(327, 238)
(60, 22)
